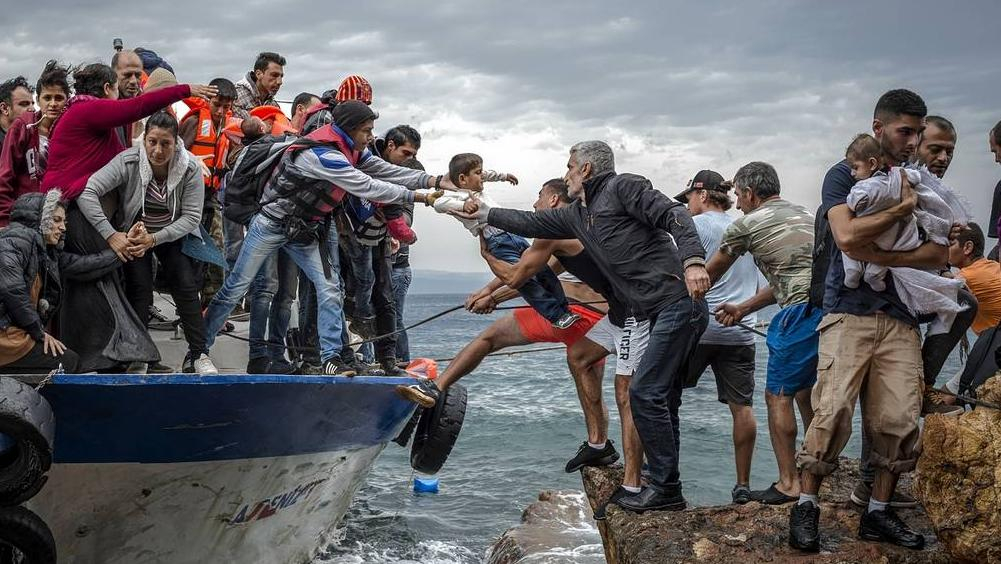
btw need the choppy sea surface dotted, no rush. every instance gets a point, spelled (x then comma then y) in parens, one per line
(522, 424)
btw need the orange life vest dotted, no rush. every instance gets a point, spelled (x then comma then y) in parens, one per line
(209, 142)
(279, 122)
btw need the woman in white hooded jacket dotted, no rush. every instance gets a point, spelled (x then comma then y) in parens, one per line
(160, 199)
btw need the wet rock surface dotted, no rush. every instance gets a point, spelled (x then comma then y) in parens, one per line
(751, 532)
(959, 478)
(555, 529)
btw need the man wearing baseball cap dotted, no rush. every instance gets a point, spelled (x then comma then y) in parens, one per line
(703, 180)
(728, 350)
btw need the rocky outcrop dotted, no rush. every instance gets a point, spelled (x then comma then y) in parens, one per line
(959, 478)
(555, 529)
(748, 533)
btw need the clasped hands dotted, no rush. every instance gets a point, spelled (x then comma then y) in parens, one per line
(132, 245)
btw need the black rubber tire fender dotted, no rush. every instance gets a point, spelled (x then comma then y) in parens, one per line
(437, 431)
(28, 534)
(27, 419)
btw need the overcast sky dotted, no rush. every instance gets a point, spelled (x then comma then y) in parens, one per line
(673, 87)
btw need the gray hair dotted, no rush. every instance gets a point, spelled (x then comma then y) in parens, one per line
(759, 177)
(598, 153)
(53, 199)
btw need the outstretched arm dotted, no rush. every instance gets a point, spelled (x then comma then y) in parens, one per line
(107, 113)
(546, 224)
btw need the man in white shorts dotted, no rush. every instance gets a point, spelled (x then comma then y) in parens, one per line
(627, 343)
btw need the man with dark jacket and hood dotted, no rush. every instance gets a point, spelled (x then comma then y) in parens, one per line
(32, 268)
(647, 247)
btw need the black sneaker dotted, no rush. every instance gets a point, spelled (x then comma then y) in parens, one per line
(886, 526)
(588, 456)
(863, 490)
(156, 314)
(188, 365)
(258, 365)
(362, 368)
(334, 367)
(389, 368)
(804, 527)
(424, 392)
(652, 500)
(281, 366)
(159, 368)
(566, 320)
(740, 494)
(619, 493)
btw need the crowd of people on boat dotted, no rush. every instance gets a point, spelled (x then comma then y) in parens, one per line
(109, 195)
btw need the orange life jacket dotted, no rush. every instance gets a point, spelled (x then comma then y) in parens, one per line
(280, 124)
(209, 142)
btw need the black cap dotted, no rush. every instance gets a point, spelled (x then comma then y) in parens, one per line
(704, 180)
(351, 114)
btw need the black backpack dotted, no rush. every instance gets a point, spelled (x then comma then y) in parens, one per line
(251, 172)
(823, 242)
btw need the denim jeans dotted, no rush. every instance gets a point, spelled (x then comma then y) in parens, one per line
(281, 305)
(401, 284)
(380, 300)
(264, 238)
(362, 274)
(261, 292)
(543, 291)
(655, 390)
(232, 237)
(307, 321)
(260, 295)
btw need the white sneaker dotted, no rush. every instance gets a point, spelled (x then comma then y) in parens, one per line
(137, 367)
(204, 365)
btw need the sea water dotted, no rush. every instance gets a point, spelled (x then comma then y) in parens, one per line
(523, 423)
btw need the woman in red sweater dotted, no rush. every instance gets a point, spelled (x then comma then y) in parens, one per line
(83, 140)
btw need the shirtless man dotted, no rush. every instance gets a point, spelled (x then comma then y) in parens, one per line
(582, 283)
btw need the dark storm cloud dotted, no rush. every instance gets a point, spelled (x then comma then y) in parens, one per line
(674, 86)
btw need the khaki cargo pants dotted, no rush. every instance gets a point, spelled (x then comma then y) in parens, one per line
(878, 357)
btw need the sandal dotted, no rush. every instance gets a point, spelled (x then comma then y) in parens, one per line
(772, 496)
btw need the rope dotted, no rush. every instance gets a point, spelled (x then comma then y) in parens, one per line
(752, 330)
(510, 353)
(438, 315)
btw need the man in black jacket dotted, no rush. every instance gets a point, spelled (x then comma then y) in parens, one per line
(647, 246)
(32, 265)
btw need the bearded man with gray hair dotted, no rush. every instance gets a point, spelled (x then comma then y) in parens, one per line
(646, 245)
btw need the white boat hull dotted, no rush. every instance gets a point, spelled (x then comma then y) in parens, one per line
(228, 468)
(258, 510)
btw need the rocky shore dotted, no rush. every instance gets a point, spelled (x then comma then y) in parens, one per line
(958, 480)
(749, 533)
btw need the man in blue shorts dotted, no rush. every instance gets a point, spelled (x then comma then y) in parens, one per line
(779, 235)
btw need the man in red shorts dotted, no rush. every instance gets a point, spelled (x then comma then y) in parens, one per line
(581, 282)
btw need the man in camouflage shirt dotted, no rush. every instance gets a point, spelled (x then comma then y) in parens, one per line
(779, 235)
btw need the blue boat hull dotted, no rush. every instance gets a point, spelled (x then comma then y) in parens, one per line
(227, 468)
